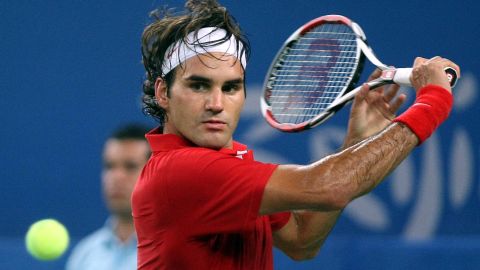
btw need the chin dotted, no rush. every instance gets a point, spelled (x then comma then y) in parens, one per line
(214, 143)
(212, 140)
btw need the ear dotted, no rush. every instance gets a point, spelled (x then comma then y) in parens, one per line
(161, 93)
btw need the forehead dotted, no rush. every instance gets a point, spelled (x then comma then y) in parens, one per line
(214, 65)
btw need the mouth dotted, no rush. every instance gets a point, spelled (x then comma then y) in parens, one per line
(116, 195)
(214, 124)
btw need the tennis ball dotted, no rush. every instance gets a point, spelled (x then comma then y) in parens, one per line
(47, 239)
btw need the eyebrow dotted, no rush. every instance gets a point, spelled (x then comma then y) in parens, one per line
(197, 78)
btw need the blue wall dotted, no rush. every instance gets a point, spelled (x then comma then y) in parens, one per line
(70, 72)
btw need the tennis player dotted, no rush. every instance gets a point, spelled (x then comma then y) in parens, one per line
(202, 201)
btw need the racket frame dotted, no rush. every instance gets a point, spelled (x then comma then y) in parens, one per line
(390, 75)
(360, 55)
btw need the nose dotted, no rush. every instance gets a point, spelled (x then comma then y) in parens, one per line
(114, 175)
(214, 101)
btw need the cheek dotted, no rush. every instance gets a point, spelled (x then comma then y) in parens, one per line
(237, 105)
(105, 179)
(184, 109)
(131, 182)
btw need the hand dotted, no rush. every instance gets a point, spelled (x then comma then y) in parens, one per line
(372, 111)
(431, 71)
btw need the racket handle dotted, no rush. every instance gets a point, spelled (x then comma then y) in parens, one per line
(402, 76)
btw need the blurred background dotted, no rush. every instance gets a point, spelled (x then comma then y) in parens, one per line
(71, 72)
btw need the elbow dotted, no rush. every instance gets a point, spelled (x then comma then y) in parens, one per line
(339, 202)
(304, 254)
(303, 251)
(304, 257)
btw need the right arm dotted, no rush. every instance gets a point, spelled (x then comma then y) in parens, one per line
(328, 185)
(334, 181)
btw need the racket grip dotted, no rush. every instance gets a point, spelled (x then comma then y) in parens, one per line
(402, 76)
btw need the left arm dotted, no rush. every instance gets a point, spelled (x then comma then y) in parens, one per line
(304, 234)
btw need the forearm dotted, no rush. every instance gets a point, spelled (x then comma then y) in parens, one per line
(332, 182)
(359, 168)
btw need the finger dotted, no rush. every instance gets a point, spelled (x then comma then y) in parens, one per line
(434, 59)
(359, 101)
(375, 74)
(362, 94)
(419, 61)
(381, 106)
(448, 63)
(379, 102)
(397, 103)
(378, 91)
(391, 92)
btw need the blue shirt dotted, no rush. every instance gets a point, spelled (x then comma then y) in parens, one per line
(102, 250)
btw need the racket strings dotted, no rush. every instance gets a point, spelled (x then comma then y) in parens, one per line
(313, 71)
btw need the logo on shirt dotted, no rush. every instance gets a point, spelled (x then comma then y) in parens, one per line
(241, 153)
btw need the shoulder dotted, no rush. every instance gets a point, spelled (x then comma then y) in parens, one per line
(89, 245)
(195, 168)
(96, 238)
(100, 251)
(208, 162)
(188, 160)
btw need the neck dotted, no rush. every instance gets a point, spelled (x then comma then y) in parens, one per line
(124, 229)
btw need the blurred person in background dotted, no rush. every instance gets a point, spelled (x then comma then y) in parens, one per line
(114, 246)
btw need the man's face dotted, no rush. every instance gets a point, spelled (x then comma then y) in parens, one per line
(205, 100)
(123, 160)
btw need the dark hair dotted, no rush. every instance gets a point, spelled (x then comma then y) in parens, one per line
(134, 131)
(168, 29)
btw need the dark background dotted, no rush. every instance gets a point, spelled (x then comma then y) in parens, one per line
(70, 72)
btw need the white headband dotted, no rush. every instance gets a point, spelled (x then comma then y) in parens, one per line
(199, 43)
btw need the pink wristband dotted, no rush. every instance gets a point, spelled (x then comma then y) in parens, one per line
(430, 109)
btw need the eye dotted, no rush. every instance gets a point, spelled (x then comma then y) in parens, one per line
(198, 86)
(231, 88)
(107, 166)
(131, 167)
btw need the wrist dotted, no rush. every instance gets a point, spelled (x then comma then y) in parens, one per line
(431, 107)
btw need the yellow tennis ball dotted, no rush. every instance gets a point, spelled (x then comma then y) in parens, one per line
(47, 239)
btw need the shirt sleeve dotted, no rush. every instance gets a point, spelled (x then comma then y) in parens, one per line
(214, 192)
(278, 220)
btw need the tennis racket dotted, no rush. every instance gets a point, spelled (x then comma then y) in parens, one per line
(316, 71)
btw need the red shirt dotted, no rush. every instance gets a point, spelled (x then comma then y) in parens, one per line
(197, 208)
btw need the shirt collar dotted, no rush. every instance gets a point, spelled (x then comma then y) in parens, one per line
(111, 239)
(165, 142)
